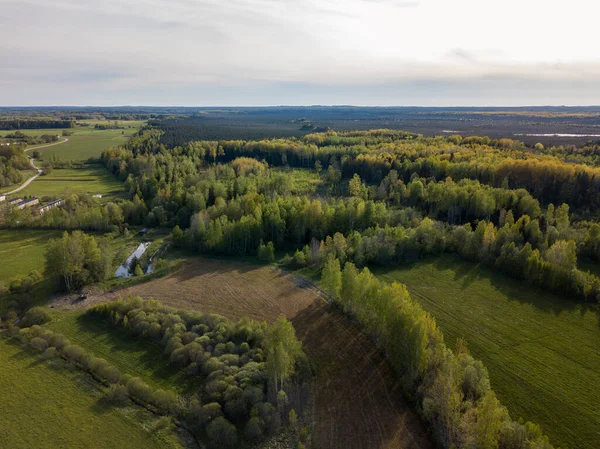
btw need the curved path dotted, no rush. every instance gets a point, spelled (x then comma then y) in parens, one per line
(35, 167)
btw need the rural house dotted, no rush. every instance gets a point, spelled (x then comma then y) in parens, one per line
(28, 202)
(51, 205)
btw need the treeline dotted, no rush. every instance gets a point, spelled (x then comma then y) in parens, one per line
(34, 123)
(551, 266)
(451, 389)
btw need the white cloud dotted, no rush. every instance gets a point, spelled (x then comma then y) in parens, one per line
(127, 46)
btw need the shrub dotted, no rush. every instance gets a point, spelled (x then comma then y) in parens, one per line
(73, 353)
(222, 433)
(35, 315)
(116, 394)
(164, 422)
(59, 341)
(165, 401)
(282, 399)
(38, 343)
(137, 388)
(254, 429)
(111, 374)
(49, 353)
(293, 419)
(209, 412)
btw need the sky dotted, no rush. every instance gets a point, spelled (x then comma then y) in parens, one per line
(299, 52)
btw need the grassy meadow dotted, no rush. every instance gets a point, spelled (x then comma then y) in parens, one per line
(46, 404)
(86, 141)
(90, 180)
(542, 351)
(131, 355)
(22, 250)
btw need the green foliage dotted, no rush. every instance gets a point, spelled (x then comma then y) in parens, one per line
(222, 433)
(452, 390)
(219, 352)
(77, 259)
(35, 315)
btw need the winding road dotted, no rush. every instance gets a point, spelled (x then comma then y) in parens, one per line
(35, 167)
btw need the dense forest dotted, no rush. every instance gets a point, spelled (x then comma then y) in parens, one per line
(12, 123)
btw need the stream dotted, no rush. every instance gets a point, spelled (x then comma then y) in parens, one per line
(123, 270)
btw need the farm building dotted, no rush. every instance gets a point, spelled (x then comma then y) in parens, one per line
(51, 205)
(28, 202)
(2, 198)
(16, 200)
(97, 195)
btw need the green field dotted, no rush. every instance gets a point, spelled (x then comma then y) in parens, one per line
(22, 250)
(131, 355)
(542, 351)
(85, 142)
(90, 180)
(48, 405)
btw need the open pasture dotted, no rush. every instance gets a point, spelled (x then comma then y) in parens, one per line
(22, 250)
(542, 351)
(90, 180)
(48, 405)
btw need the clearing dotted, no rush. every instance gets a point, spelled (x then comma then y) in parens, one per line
(357, 400)
(542, 351)
(48, 405)
(22, 250)
(90, 180)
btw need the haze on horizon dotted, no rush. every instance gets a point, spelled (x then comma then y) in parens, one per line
(303, 52)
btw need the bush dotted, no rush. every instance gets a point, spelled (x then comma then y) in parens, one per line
(165, 401)
(38, 343)
(116, 394)
(111, 374)
(137, 388)
(254, 429)
(164, 422)
(59, 341)
(293, 419)
(74, 353)
(222, 433)
(209, 412)
(35, 315)
(49, 353)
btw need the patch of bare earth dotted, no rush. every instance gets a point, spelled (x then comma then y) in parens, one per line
(357, 400)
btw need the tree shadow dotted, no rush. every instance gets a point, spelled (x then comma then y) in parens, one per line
(149, 355)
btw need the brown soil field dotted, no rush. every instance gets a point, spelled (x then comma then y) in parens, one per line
(357, 401)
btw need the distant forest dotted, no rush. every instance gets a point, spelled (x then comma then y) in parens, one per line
(548, 125)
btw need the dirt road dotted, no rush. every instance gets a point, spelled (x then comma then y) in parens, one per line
(35, 167)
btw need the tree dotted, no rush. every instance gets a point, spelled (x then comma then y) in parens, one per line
(357, 188)
(331, 278)
(222, 433)
(77, 259)
(562, 254)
